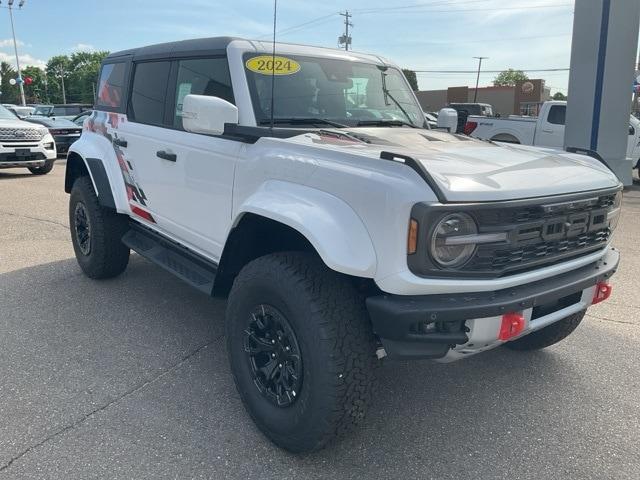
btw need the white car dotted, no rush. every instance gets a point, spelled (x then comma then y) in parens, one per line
(341, 229)
(23, 144)
(545, 130)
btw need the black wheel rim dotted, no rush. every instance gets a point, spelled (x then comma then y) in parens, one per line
(274, 356)
(82, 228)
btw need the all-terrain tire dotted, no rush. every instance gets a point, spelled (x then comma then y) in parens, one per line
(548, 335)
(105, 256)
(43, 170)
(337, 348)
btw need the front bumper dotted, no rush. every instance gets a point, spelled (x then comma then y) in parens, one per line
(63, 142)
(27, 153)
(438, 326)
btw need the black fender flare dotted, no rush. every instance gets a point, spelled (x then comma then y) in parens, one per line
(94, 167)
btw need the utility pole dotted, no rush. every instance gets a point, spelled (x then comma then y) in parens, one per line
(64, 93)
(346, 38)
(475, 92)
(636, 106)
(15, 48)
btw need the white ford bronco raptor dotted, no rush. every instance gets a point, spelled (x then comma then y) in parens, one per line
(306, 187)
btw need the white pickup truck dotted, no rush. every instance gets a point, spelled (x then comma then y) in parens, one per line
(546, 130)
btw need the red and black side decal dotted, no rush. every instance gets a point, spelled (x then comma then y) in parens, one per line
(100, 123)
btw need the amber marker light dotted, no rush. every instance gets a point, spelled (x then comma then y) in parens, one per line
(412, 237)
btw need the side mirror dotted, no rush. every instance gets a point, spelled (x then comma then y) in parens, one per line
(448, 119)
(632, 131)
(204, 114)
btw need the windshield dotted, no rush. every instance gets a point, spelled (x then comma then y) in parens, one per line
(6, 114)
(43, 110)
(326, 89)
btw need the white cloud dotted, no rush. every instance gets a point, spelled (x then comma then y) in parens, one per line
(8, 42)
(25, 60)
(83, 47)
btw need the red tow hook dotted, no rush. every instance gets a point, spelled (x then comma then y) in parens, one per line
(512, 325)
(603, 291)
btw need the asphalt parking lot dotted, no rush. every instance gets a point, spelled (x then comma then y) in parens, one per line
(128, 378)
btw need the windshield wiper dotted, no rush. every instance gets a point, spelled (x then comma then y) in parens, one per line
(303, 121)
(385, 123)
(387, 95)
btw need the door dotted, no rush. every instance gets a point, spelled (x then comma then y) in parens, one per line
(187, 178)
(550, 133)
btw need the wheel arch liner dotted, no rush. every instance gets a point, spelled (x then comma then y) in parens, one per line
(331, 226)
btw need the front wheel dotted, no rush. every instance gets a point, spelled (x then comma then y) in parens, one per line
(301, 349)
(43, 170)
(96, 233)
(548, 335)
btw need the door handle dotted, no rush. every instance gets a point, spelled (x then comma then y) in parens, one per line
(172, 157)
(547, 130)
(120, 142)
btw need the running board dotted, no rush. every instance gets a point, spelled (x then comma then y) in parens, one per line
(173, 257)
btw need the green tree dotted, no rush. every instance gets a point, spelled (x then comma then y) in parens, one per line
(84, 68)
(559, 96)
(411, 78)
(57, 68)
(510, 78)
(79, 72)
(35, 92)
(10, 93)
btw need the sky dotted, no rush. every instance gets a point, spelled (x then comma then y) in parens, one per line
(416, 34)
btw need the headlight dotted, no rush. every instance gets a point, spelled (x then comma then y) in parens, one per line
(453, 254)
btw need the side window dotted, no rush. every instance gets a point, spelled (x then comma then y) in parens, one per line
(149, 92)
(111, 85)
(557, 114)
(202, 76)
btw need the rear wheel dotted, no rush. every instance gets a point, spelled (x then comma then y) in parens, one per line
(43, 170)
(96, 233)
(301, 350)
(548, 335)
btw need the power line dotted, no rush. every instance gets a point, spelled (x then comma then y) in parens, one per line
(456, 10)
(495, 71)
(299, 26)
(474, 40)
(416, 6)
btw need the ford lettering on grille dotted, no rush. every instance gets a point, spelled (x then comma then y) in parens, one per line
(561, 227)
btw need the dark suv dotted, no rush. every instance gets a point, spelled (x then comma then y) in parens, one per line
(65, 110)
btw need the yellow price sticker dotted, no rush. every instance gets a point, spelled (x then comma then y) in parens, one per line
(268, 65)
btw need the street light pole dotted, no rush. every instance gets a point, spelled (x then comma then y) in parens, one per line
(475, 92)
(15, 48)
(64, 93)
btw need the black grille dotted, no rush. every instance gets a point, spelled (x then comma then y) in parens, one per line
(512, 258)
(539, 233)
(532, 213)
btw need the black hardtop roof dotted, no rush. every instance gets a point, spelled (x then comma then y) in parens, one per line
(183, 47)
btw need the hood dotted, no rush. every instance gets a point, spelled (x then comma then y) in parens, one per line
(470, 170)
(52, 122)
(16, 123)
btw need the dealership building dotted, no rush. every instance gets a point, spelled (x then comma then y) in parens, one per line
(523, 99)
